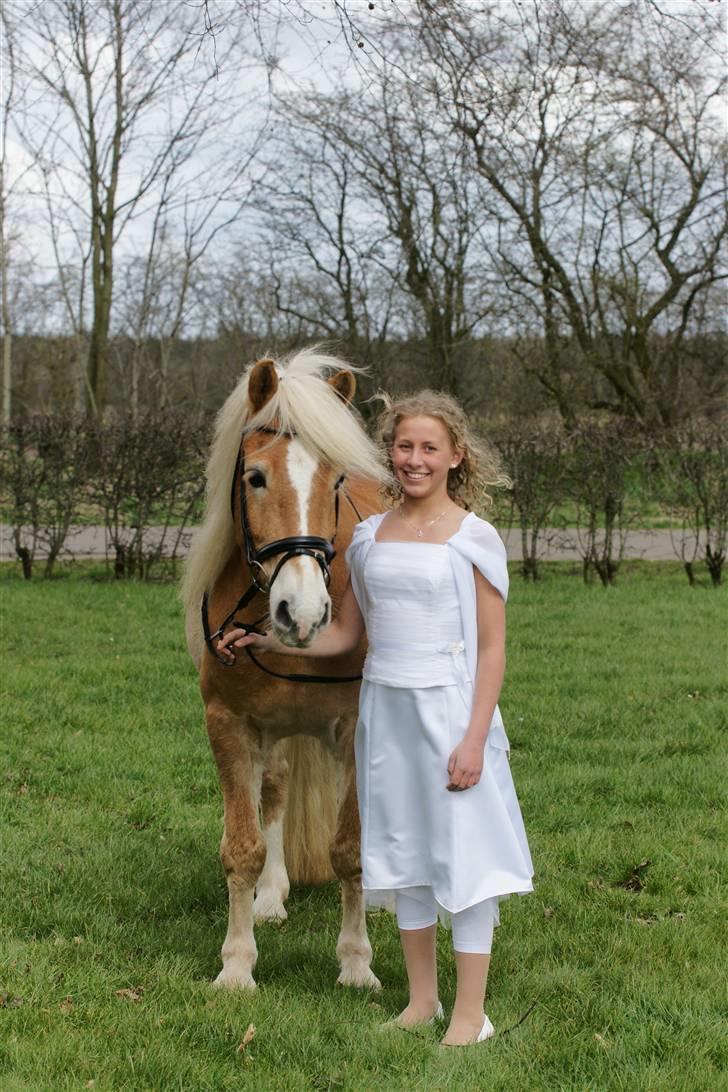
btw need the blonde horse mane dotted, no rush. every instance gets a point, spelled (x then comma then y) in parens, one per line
(305, 404)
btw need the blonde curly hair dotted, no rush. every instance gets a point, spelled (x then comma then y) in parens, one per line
(468, 482)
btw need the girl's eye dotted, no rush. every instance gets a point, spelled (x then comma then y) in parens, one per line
(256, 479)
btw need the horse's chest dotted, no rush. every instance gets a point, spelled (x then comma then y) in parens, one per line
(290, 708)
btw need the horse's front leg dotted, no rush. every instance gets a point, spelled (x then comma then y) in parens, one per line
(238, 754)
(353, 948)
(273, 886)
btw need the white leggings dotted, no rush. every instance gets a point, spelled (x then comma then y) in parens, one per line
(472, 928)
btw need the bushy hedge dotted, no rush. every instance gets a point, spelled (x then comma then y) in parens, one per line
(603, 476)
(143, 482)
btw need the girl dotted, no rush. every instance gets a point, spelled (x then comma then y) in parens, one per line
(441, 828)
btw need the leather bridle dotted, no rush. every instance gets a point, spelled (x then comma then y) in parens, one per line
(320, 549)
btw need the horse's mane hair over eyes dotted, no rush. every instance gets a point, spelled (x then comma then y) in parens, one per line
(304, 404)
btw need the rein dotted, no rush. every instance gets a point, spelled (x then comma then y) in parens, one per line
(320, 549)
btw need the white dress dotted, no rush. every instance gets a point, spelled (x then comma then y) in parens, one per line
(419, 609)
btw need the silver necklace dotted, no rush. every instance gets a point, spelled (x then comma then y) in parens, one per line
(421, 530)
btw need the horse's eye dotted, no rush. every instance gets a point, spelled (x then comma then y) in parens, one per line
(256, 479)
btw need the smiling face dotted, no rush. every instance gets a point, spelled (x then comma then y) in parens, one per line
(422, 457)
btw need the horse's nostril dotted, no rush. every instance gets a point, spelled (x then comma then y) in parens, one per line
(283, 615)
(325, 616)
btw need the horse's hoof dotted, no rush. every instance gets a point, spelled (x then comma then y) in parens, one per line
(231, 979)
(363, 978)
(269, 907)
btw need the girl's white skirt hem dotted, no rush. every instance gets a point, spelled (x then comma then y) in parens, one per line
(464, 847)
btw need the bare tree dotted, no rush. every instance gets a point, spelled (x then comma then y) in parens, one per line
(158, 286)
(325, 246)
(123, 97)
(414, 200)
(8, 61)
(594, 130)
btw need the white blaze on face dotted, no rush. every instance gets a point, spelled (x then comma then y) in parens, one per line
(300, 582)
(301, 469)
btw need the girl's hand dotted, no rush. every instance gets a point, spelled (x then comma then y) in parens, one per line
(465, 765)
(238, 638)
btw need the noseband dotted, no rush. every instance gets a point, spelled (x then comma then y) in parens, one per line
(320, 549)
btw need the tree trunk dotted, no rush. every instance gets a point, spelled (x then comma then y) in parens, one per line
(7, 331)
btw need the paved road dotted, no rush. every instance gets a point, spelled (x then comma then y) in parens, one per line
(562, 545)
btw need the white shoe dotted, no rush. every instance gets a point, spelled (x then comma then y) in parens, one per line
(486, 1031)
(439, 1014)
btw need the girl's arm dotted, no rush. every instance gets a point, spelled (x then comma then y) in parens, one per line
(466, 761)
(341, 636)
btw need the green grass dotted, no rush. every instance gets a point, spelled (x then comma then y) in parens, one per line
(111, 818)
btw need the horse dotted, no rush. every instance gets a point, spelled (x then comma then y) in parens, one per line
(291, 471)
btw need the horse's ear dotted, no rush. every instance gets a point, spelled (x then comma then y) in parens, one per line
(344, 384)
(262, 384)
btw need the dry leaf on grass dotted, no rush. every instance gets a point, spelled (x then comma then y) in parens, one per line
(66, 1005)
(131, 993)
(634, 881)
(247, 1038)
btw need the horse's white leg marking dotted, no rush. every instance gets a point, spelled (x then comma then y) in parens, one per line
(353, 949)
(239, 951)
(300, 582)
(272, 887)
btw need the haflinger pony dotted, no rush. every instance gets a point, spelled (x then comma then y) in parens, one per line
(290, 473)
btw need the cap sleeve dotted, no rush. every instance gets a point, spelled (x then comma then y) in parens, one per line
(479, 542)
(362, 535)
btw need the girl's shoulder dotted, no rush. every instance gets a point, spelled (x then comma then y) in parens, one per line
(479, 530)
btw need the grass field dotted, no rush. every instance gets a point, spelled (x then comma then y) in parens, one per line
(113, 904)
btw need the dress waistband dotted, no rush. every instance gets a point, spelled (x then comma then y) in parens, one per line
(450, 648)
(414, 663)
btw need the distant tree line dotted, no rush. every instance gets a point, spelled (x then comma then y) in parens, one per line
(495, 382)
(523, 204)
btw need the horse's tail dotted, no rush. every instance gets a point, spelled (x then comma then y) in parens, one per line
(310, 822)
